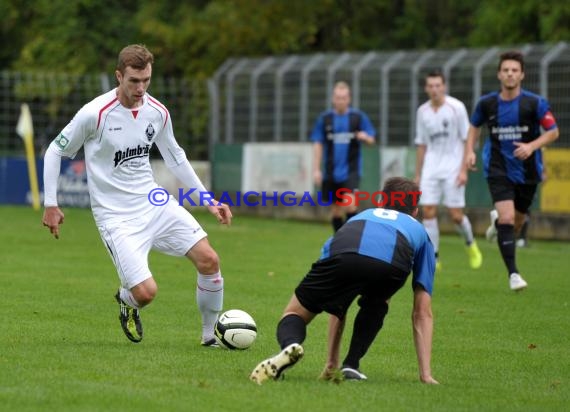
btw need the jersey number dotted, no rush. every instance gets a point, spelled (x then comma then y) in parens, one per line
(386, 214)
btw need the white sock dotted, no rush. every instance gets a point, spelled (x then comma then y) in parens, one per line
(127, 297)
(210, 300)
(432, 230)
(465, 230)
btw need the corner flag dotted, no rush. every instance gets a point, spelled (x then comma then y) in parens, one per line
(25, 129)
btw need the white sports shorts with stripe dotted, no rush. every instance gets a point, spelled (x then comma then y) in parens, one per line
(169, 229)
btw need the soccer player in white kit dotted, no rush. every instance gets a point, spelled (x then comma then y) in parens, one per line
(117, 130)
(441, 129)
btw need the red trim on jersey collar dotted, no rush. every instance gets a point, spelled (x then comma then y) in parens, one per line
(161, 106)
(135, 112)
(105, 108)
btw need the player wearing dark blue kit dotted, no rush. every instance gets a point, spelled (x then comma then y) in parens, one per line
(371, 256)
(337, 136)
(520, 124)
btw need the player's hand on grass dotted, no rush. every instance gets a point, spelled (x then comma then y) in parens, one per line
(429, 380)
(53, 217)
(221, 211)
(331, 374)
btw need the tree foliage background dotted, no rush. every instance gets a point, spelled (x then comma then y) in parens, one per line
(192, 38)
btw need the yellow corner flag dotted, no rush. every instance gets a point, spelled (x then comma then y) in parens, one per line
(25, 129)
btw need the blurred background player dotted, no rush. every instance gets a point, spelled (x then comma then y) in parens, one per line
(337, 136)
(116, 131)
(512, 157)
(441, 129)
(372, 255)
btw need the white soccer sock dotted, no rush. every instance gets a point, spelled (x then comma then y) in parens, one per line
(127, 297)
(465, 230)
(432, 230)
(210, 300)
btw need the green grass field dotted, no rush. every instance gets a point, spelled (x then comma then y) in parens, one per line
(62, 348)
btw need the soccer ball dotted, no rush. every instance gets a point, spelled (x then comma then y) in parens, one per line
(235, 329)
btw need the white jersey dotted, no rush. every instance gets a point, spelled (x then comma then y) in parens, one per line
(117, 142)
(444, 133)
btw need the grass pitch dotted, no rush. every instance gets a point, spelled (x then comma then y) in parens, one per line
(62, 348)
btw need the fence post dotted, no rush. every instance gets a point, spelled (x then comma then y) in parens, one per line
(304, 105)
(414, 89)
(356, 70)
(230, 99)
(450, 63)
(214, 92)
(385, 95)
(253, 96)
(278, 117)
(478, 74)
(545, 62)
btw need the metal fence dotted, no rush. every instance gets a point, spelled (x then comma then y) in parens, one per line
(55, 97)
(279, 98)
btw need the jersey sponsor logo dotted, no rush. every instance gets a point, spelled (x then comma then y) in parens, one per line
(340, 137)
(439, 135)
(149, 132)
(121, 156)
(509, 132)
(61, 141)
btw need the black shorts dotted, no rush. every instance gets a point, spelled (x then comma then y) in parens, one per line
(502, 188)
(332, 284)
(330, 188)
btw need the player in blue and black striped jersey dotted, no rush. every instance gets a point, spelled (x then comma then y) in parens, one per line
(370, 256)
(520, 123)
(337, 138)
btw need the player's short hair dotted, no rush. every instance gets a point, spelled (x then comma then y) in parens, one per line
(136, 56)
(341, 85)
(436, 73)
(401, 185)
(511, 55)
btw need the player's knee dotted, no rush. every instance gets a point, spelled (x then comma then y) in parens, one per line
(208, 262)
(429, 212)
(507, 218)
(456, 216)
(145, 294)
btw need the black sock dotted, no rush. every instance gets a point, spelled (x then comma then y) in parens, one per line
(507, 246)
(337, 223)
(291, 329)
(367, 324)
(350, 215)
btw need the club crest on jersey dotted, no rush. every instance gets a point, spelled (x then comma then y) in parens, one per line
(121, 156)
(445, 123)
(149, 132)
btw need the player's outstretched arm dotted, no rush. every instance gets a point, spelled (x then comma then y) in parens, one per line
(422, 320)
(336, 328)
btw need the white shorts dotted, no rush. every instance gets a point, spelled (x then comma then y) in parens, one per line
(433, 189)
(170, 229)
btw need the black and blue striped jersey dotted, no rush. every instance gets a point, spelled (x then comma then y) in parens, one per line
(393, 237)
(510, 121)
